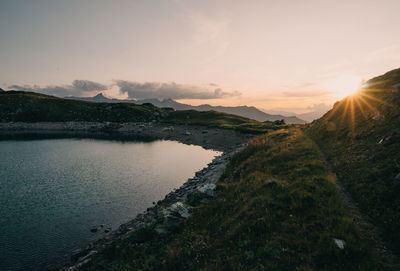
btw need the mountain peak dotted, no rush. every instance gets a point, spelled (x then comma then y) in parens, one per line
(100, 95)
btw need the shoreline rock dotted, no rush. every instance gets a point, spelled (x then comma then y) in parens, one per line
(215, 138)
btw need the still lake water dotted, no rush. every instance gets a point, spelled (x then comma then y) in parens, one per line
(53, 191)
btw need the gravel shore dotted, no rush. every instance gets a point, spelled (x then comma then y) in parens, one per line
(207, 137)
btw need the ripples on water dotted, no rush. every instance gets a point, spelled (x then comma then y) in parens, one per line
(53, 191)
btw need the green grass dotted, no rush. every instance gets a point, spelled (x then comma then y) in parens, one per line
(350, 136)
(277, 208)
(221, 120)
(33, 107)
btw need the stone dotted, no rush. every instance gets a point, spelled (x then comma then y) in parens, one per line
(96, 228)
(180, 209)
(207, 189)
(107, 230)
(339, 243)
(376, 116)
(397, 178)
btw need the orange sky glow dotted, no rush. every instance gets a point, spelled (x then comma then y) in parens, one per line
(287, 55)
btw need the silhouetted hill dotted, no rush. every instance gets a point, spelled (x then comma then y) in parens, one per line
(20, 106)
(361, 137)
(250, 112)
(99, 98)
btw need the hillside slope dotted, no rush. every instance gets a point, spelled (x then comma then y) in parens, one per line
(19, 106)
(361, 138)
(276, 208)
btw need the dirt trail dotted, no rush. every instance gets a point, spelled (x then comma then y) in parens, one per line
(369, 231)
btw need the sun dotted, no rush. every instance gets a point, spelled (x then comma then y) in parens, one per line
(343, 85)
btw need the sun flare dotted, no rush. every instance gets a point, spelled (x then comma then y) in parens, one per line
(344, 85)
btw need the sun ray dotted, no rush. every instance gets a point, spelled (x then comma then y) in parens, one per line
(375, 99)
(345, 110)
(360, 106)
(362, 100)
(352, 115)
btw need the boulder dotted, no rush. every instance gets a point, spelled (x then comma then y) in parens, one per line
(96, 228)
(207, 189)
(376, 116)
(180, 209)
(339, 243)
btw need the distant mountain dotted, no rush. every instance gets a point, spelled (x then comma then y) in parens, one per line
(314, 114)
(310, 116)
(23, 106)
(1, 90)
(244, 111)
(250, 112)
(99, 98)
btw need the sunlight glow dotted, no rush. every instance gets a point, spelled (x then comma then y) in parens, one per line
(344, 85)
(362, 104)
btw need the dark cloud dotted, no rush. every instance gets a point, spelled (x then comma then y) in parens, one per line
(133, 89)
(76, 89)
(86, 85)
(171, 90)
(306, 93)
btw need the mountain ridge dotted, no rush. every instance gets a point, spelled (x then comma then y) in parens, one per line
(244, 111)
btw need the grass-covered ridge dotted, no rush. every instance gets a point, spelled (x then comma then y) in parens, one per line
(218, 119)
(19, 106)
(277, 208)
(361, 138)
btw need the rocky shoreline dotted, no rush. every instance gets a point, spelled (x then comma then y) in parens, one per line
(207, 137)
(172, 210)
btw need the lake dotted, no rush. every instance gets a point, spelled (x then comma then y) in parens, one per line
(52, 191)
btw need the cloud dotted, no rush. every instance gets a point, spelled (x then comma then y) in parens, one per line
(305, 84)
(137, 90)
(77, 88)
(308, 93)
(171, 90)
(87, 85)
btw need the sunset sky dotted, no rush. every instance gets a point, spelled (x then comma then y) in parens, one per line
(291, 55)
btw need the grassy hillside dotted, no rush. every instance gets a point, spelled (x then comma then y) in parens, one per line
(217, 119)
(277, 208)
(33, 107)
(361, 138)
